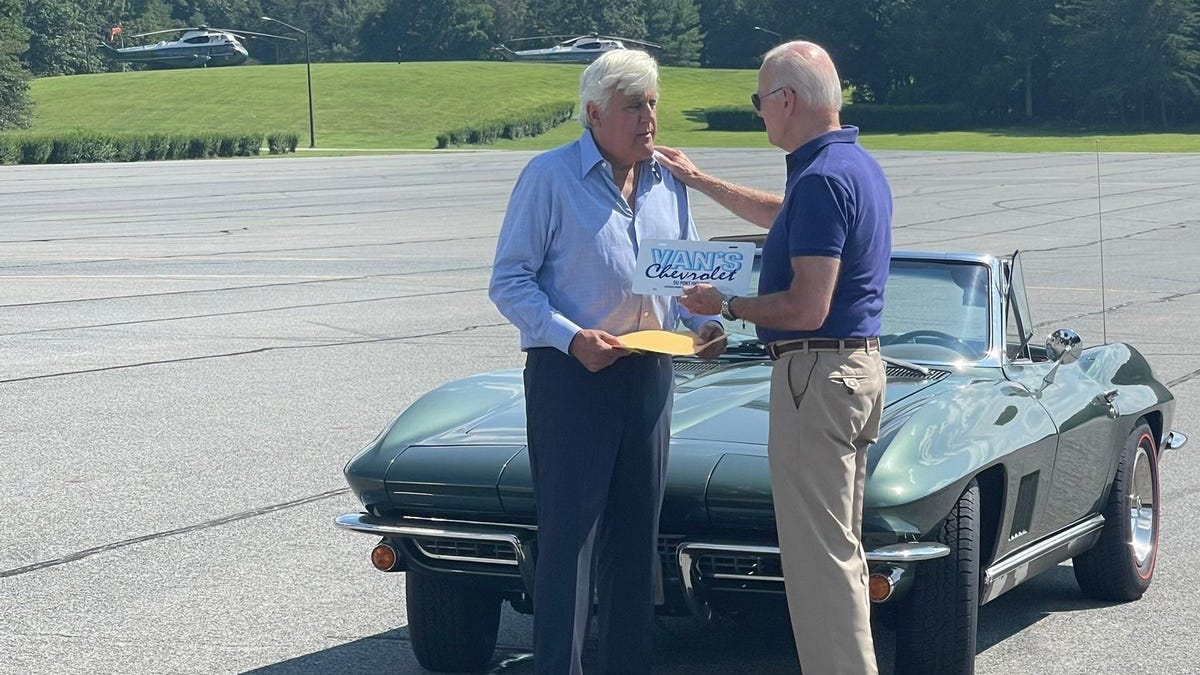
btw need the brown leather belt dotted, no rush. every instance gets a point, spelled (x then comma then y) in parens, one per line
(781, 347)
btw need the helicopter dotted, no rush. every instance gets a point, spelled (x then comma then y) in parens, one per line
(578, 49)
(198, 46)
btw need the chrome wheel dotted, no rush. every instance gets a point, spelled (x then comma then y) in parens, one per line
(1143, 509)
(1121, 564)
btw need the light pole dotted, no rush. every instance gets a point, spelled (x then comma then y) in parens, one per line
(312, 129)
(767, 30)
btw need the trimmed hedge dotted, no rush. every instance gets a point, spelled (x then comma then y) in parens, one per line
(530, 123)
(77, 147)
(867, 116)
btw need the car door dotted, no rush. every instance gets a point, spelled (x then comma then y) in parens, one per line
(1081, 408)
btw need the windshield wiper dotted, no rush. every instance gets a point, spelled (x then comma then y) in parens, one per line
(906, 364)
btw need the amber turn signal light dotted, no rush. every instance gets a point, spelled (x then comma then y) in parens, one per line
(383, 557)
(880, 587)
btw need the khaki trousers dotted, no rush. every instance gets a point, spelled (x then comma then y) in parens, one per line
(825, 409)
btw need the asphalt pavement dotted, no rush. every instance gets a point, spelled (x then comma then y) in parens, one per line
(191, 351)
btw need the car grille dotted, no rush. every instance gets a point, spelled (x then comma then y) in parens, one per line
(667, 554)
(742, 566)
(467, 550)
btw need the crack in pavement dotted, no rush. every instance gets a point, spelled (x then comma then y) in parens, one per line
(124, 543)
(247, 352)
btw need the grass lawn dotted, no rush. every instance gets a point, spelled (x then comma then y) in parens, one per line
(387, 106)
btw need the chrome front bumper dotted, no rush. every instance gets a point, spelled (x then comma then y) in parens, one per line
(699, 563)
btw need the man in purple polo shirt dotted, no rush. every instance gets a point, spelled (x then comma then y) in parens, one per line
(818, 309)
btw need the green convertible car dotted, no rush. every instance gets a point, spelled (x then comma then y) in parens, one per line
(998, 459)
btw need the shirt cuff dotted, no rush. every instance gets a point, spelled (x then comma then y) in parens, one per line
(560, 332)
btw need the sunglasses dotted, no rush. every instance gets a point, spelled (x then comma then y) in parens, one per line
(757, 100)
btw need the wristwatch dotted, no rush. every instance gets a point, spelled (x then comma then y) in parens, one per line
(727, 309)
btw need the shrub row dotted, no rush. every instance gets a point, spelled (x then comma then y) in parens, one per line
(530, 123)
(80, 146)
(867, 116)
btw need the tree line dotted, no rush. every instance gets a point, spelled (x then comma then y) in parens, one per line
(1123, 63)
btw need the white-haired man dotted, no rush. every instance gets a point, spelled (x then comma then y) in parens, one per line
(598, 415)
(818, 310)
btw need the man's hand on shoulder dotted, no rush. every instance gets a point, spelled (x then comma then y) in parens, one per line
(679, 165)
(596, 349)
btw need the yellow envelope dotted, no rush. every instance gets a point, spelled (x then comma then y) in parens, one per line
(663, 342)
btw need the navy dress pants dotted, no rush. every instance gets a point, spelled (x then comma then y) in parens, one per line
(598, 453)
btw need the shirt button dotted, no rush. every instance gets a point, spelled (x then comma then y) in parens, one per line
(645, 314)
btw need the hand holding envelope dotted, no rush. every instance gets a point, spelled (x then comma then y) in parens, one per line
(667, 342)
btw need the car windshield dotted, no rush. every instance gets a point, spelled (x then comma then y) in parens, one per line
(935, 311)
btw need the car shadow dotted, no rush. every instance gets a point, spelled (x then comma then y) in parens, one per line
(1049, 593)
(387, 652)
(759, 641)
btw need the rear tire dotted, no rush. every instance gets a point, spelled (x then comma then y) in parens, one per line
(1121, 565)
(453, 624)
(937, 622)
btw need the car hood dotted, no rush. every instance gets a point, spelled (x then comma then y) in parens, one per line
(721, 410)
(719, 402)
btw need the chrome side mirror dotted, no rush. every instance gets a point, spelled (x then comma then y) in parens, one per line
(1064, 346)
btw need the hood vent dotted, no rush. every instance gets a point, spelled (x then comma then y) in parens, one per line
(902, 373)
(696, 367)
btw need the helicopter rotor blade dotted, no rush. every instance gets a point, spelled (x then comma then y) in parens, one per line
(632, 40)
(543, 37)
(159, 32)
(253, 34)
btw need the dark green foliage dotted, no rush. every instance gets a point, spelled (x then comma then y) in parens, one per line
(530, 123)
(280, 143)
(35, 150)
(675, 24)
(63, 36)
(1129, 62)
(733, 118)
(15, 108)
(86, 146)
(414, 30)
(10, 150)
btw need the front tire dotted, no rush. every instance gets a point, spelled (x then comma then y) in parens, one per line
(936, 624)
(1120, 566)
(453, 624)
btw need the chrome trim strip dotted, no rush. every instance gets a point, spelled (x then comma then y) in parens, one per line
(1008, 565)
(908, 552)
(1175, 440)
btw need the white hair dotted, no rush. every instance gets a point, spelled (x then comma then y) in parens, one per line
(807, 69)
(631, 71)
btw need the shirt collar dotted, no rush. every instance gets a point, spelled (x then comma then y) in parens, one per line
(801, 156)
(589, 157)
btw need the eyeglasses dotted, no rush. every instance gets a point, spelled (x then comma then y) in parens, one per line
(757, 100)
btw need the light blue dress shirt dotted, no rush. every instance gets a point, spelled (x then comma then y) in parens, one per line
(568, 248)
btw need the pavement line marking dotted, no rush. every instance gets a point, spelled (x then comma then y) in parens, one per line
(86, 553)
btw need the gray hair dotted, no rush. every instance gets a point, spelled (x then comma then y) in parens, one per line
(807, 69)
(632, 71)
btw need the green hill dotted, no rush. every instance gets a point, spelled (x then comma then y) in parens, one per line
(405, 105)
(366, 105)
